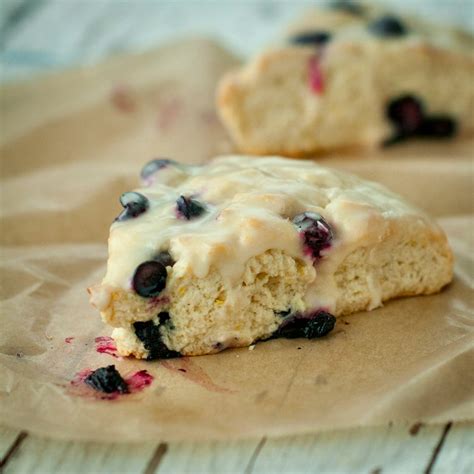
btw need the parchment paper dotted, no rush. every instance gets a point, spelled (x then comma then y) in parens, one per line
(71, 143)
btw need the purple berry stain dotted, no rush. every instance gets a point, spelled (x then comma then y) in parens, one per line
(189, 208)
(134, 204)
(106, 345)
(149, 279)
(315, 75)
(122, 98)
(138, 381)
(315, 232)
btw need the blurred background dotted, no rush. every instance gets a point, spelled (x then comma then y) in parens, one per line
(38, 36)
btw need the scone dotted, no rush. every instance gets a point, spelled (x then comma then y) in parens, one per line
(243, 249)
(351, 76)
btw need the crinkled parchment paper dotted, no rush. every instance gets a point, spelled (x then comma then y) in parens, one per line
(71, 144)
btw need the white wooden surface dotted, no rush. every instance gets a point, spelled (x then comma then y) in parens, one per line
(457, 451)
(394, 449)
(38, 35)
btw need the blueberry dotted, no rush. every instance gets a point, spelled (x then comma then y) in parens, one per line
(311, 38)
(154, 165)
(348, 7)
(438, 127)
(149, 279)
(134, 204)
(164, 316)
(317, 324)
(189, 208)
(165, 259)
(406, 113)
(107, 379)
(316, 232)
(149, 334)
(388, 26)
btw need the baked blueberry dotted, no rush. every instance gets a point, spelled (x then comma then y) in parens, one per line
(315, 231)
(149, 334)
(388, 26)
(165, 259)
(164, 316)
(438, 127)
(154, 165)
(107, 380)
(348, 7)
(133, 204)
(310, 38)
(406, 113)
(319, 324)
(310, 326)
(189, 208)
(149, 279)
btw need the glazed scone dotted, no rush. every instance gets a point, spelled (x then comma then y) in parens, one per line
(243, 248)
(350, 77)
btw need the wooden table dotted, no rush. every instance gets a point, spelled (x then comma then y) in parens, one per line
(393, 449)
(30, 31)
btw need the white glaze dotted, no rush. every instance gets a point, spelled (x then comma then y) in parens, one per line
(250, 203)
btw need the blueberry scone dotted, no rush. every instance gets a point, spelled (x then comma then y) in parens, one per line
(243, 249)
(351, 76)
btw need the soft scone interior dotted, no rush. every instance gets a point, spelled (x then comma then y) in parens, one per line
(238, 265)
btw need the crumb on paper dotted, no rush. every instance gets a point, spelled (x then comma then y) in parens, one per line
(415, 428)
(48, 337)
(252, 347)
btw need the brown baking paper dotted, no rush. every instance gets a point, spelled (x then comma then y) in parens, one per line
(71, 143)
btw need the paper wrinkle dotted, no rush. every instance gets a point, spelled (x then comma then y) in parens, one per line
(64, 165)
